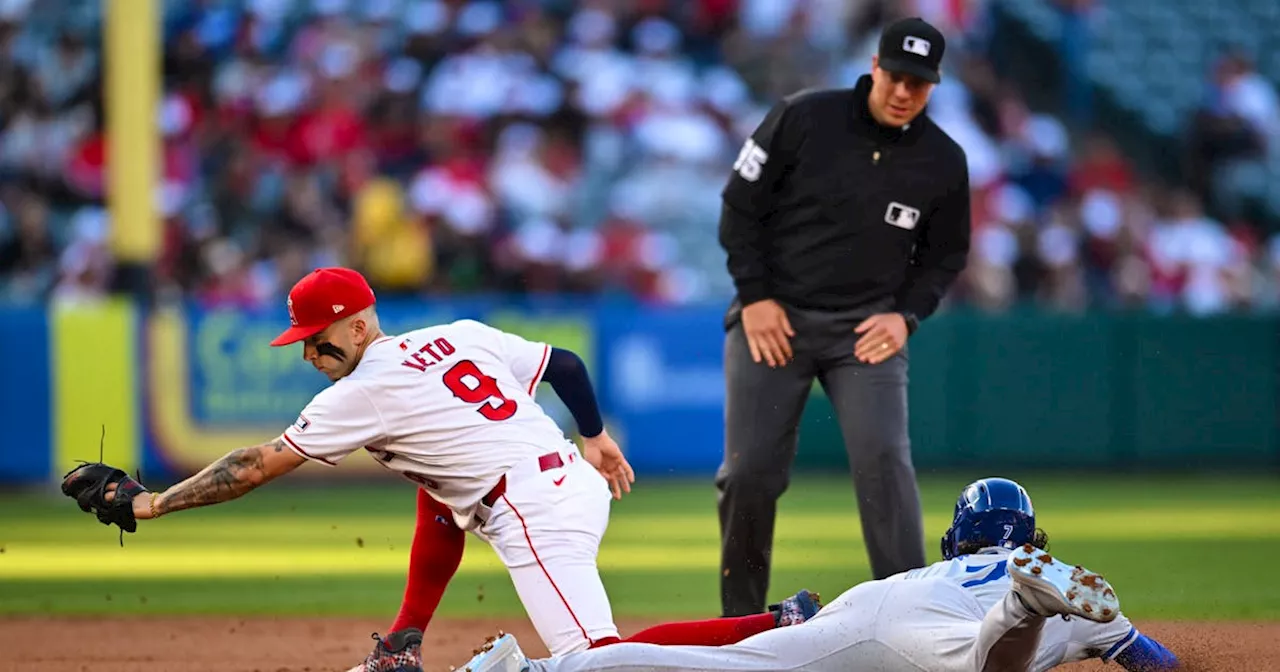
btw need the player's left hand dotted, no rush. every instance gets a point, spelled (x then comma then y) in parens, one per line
(883, 335)
(141, 503)
(604, 454)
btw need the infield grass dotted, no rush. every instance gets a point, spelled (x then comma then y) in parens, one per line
(1174, 547)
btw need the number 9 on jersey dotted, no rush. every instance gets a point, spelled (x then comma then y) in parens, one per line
(467, 382)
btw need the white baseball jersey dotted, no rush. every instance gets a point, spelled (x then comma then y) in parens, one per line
(450, 407)
(985, 576)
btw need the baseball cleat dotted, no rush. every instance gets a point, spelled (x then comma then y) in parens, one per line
(502, 654)
(401, 651)
(1050, 587)
(796, 609)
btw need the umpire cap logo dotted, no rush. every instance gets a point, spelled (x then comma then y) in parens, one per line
(916, 45)
(902, 216)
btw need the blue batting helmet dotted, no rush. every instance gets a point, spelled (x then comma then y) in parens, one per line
(990, 512)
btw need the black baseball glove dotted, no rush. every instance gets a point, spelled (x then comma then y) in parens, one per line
(87, 484)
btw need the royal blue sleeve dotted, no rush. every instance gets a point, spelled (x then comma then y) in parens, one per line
(567, 375)
(1143, 654)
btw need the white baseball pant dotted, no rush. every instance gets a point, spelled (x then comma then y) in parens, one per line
(546, 528)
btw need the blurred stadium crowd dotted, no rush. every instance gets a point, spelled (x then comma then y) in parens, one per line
(463, 146)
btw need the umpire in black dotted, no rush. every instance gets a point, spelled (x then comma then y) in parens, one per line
(845, 220)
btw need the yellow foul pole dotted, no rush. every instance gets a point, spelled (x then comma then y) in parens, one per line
(131, 34)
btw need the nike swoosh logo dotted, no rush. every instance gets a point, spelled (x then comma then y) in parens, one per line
(560, 480)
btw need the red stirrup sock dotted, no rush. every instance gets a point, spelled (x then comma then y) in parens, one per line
(433, 560)
(712, 632)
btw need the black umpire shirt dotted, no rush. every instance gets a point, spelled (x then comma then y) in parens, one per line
(828, 210)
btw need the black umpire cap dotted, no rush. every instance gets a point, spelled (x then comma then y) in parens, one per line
(914, 47)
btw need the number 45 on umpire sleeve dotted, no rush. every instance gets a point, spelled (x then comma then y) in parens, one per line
(750, 161)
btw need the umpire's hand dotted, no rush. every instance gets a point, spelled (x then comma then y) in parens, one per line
(882, 337)
(768, 332)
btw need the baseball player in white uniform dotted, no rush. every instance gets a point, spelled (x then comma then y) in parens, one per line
(451, 408)
(998, 602)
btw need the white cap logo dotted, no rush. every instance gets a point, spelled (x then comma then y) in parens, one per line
(293, 319)
(916, 45)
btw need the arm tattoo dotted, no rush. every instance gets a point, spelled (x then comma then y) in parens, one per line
(233, 475)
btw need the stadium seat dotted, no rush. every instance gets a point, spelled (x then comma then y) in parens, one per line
(1170, 48)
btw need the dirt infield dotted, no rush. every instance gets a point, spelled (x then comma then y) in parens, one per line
(320, 645)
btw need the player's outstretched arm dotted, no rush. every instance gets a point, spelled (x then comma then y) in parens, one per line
(1146, 655)
(235, 474)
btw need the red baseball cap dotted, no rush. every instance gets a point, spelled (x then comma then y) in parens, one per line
(323, 297)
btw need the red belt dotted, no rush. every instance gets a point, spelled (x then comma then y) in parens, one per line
(545, 463)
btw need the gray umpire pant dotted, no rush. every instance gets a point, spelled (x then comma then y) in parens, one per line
(762, 414)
